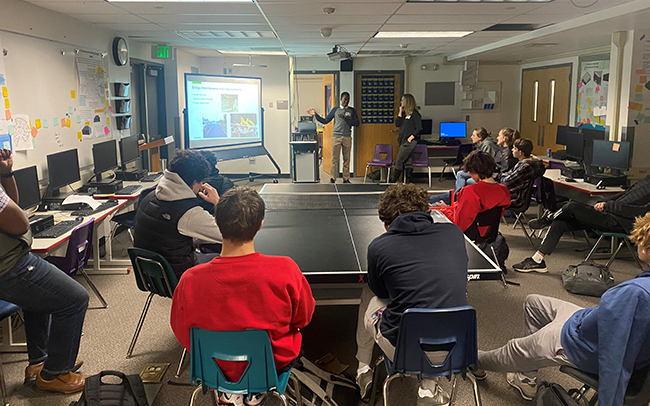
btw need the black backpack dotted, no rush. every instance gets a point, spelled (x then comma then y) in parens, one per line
(498, 248)
(129, 392)
(588, 278)
(552, 394)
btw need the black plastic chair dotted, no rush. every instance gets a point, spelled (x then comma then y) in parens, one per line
(128, 219)
(638, 389)
(520, 213)
(463, 151)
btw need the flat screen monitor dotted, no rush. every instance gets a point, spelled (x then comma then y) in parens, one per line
(129, 149)
(104, 157)
(453, 130)
(63, 168)
(590, 136)
(562, 130)
(427, 126)
(611, 154)
(29, 194)
(575, 144)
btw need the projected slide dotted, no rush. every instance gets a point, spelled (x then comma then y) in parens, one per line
(223, 110)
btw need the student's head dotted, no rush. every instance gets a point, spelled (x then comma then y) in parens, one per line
(408, 103)
(641, 237)
(507, 137)
(399, 199)
(239, 214)
(480, 165)
(522, 148)
(479, 134)
(345, 99)
(191, 167)
(210, 157)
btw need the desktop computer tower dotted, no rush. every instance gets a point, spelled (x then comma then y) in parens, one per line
(131, 174)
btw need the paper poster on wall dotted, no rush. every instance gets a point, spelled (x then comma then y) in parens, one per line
(5, 137)
(22, 133)
(592, 92)
(93, 85)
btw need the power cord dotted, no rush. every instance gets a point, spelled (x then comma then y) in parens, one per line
(578, 6)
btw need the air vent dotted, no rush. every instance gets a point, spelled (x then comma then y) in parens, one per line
(196, 34)
(392, 53)
(541, 44)
(512, 27)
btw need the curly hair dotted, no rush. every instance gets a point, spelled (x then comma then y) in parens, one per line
(402, 198)
(641, 232)
(239, 214)
(190, 165)
(480, 163)
(510, 135)
(482, 132)
(210, 157)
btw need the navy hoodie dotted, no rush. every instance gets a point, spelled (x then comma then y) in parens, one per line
(417, 264)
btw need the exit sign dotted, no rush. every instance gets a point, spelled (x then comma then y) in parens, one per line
(161, 52)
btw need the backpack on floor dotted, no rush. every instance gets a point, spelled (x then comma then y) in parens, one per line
(129, 392)
(552, 394)
(498, 248)
(320, 388)
(588, 278)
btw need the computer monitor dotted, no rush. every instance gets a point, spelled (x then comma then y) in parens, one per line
(104, 157)
(575, 143)
(129, 151)
(562, 130)
(611, 154)
(427, 126)
(453, 130)
(63, 168)
(28, 191)
(590, 135)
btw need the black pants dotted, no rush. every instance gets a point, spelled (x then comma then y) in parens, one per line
(575, 217)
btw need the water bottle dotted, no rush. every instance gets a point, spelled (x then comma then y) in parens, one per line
(548, 152)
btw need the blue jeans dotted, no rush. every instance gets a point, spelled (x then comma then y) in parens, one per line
(54, 306)
(463, 179)
(443, 196)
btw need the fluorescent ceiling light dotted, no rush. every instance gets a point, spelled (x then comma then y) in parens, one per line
(479, 1)
(422, 34)
(225, 52)
(181, 1)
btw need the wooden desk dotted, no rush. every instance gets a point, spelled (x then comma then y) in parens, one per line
(579, 190)
(154, 147)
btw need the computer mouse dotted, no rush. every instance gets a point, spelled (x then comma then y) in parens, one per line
(80, 218)
(113, 200)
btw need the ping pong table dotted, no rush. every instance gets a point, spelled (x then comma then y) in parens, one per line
(326, 229)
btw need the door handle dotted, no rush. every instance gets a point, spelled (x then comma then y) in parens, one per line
(543, 134)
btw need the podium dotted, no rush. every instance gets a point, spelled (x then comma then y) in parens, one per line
(304, 161)
(154, 150)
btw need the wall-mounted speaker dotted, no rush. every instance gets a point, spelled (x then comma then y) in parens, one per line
(346, 65)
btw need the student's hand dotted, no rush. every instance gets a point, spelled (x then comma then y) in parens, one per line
(6, 161)
(341, 115)
(311, 112)
(209, 194)
(600, 206)
(440, 203)
(411, 138)
(401, 110)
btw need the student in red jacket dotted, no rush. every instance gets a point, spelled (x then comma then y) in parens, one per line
(483, 195)
(255, 291)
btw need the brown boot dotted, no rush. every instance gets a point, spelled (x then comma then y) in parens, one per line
(64, 383)
(33, 370)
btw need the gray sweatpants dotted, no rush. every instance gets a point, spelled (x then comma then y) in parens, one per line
(541, 347)
(368, 332)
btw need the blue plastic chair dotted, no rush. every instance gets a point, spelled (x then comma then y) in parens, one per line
(128, 219)
(251, 346)
(435, 342)
(6, 310)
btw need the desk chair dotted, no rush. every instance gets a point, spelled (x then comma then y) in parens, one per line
(80, 248)
(377, 160)
(435, 342)
(250, 346)
(624, 238)
(420, 159)
(128, 219)
(520, 213)
(6, 311)
(638, 389)
(463, 151)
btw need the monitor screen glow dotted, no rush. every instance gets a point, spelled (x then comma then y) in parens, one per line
(453, 130)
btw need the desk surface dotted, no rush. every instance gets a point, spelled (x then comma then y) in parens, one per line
(579, 184)
(145, 185)
(326, 229)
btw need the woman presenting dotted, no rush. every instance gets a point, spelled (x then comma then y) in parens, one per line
(409, 123)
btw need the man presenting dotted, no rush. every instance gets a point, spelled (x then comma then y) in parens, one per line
(345, 117)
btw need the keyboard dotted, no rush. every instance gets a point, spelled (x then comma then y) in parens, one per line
(59, 229)
(104, 206)
(152, 178)
(128, 190)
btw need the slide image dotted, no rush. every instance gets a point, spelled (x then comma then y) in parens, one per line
(214, 129)
(229, 103)
(243, 125)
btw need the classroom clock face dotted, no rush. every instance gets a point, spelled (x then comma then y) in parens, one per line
(120, 51)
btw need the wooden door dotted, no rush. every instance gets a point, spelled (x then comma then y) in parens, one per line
(329, 102)
(545, 101)
(377, 103)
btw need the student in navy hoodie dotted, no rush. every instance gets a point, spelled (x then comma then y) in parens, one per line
(611, 339)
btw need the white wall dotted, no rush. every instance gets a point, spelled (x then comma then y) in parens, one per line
(310, 94)
(184, 64)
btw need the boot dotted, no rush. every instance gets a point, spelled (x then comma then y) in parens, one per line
(394, 176)
(408, 175)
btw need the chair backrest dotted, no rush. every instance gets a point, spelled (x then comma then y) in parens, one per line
(152, 272)
(527, 198)
(420, 155)
(144, 193)
(485, 226)
(638, 390)
(435, 342)
(7, 309)
(80, 248)
(544, 193)
(385, 150)
(463, 151)
(250, 346)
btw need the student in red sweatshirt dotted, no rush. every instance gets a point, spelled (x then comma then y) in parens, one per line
(255, 291)
(483, 195)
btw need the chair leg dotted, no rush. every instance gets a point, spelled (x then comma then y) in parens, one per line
(613, 257)
(477, 393)
(442, 174)
(366, 175)
(636, 258)
(429, 176)
(375, 381)
(180, 364)
(93, 288)
(595, 247)
(128, 230)
(386, 383)
(452, 396)
(194, 394)
(3, 387)
(282, 397)
(388, 175)
(139, 327)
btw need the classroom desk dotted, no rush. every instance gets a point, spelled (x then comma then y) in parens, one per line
(579, 190)
(554, 163)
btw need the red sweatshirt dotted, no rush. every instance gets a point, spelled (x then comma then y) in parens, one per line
(474, 199)
(247, 292)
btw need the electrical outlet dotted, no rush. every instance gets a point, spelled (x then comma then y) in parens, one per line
(251, 160)
(467, 117)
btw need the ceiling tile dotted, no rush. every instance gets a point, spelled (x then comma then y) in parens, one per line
(316, 9)
(467, 8)
(109, 18)
(89, 7)
(327, 22)
(189, 8)
(447, 19)
(216, 27)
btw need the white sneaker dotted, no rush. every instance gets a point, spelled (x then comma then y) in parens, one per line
(526, 386)
(364, 381)
(231, 399)
(255, 399)
(432, 397)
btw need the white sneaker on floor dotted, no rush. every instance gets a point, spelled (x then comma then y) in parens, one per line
(432, 397)
(231, 399)
(526, 386)
(364, 381)
(254, 399)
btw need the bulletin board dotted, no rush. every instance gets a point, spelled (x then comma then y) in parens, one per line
(47, 106)
(593, 84)
(377, 99)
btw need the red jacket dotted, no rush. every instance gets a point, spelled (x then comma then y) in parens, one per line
(248, 292)
(474, 199)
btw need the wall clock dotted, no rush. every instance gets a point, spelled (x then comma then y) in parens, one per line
(120, 51)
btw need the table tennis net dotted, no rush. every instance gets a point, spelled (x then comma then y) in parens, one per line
(297, 201)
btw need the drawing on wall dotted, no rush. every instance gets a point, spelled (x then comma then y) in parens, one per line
(592, 92)
(22, 133)
(93, 93)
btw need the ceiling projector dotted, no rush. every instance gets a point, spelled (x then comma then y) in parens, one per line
(338, 55)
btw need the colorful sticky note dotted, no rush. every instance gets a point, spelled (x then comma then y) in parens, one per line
(7, 104)
(640, 71)
(108, 120)
(637, 89)
(589, 109)
(63, 122)
(616, 147)
(46, 123)
(37, 123)
(70, 110)
(647, 120)
(78, 119)
(10, 128)
(67, 122)
(87, 123)
(55, 122)
(79, 135)
(588, 121)
(110, 108)
(635, 106)
(598, 88)
(5, 92)
(602, 98)
(642, 80)
(588, 99)
(7, 115)
(73, 94)
(34, 132)
(638, 97)
(639, 117)
(106, 130)
(580, 85)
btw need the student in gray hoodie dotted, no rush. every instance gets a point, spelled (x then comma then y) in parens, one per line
(483, 142)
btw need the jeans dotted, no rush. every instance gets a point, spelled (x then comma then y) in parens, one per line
(463, 179)
(445, 197)
(54, 306)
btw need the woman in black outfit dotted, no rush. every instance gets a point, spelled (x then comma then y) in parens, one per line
(409, 123)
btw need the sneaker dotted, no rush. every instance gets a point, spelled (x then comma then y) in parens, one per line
(479, 373)
(230, 399)
(347, 181)
(529, 265)
(539, 223)
(435, 397)
(364, 381)
(332, 180)
(526, 386)
(255, 399)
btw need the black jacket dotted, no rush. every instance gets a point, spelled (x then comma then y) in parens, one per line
(408, 127)
(417, 264)
(628, 205)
